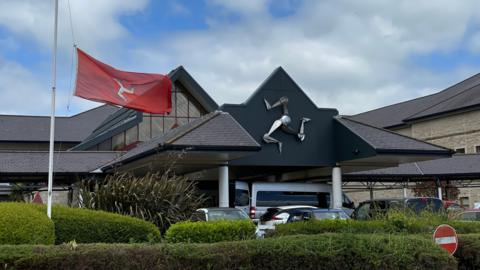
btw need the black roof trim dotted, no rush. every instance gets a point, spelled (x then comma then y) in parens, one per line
(194, 89)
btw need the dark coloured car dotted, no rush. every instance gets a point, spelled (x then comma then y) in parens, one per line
(219, 213)
(469, 215)
(378, 208)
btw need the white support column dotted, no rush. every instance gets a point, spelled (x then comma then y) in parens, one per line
(337, 197)
(404, 192)
(440, 193)
(223, 198)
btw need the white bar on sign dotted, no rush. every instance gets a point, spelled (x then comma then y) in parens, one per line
(446, 240)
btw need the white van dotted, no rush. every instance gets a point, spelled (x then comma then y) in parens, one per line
(264, 195)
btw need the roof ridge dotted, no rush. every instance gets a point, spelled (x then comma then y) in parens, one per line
(418, 98)
(448, 98)
(392, 132)
(206, 118)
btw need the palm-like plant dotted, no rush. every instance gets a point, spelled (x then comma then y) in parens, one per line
(162, 198)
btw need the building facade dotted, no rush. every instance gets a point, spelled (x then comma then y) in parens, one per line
(450, 118)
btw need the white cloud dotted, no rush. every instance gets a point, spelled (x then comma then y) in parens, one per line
(336, 50)
(352, 55)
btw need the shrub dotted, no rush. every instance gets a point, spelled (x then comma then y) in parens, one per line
(22, 224)
(90, 226)
(163, 199)
(468, 252)
(210, 232)
(327, 251)
(397, 225)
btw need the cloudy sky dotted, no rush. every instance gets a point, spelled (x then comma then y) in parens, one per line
(350, 55)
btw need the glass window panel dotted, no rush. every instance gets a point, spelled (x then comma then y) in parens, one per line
(105, 145)
(169, 123)
(193, 110)
(181, 121)
(118, 141)
(131, 135)
(174, 105)
(157, 126)
(182, 105)
(144, 129)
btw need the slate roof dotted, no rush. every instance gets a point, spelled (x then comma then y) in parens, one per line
(67, 129)
(457, 165)
(388, 141)
(33, 162)
(463, 95)
(214, 131)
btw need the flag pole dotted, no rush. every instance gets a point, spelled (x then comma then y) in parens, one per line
(52, 115)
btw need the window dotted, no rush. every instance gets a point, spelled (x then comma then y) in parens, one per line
(363, 211)
(157, 126)
(279, 198)
(477, 149)
(241, 197)
(144, 128)
(131, 135)
(184, 109)
(460, 150)
(465, 202)
(118, 141)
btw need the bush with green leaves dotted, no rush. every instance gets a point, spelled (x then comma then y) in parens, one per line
(468, 252)
(325, 251)
(395, 224)
(22, 224)
(210, 232)
(92, 226)
(163, 199)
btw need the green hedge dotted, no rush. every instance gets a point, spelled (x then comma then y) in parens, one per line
(326, 251)
(411, 226)
(91, 226)
(468, 252)
(22, 224)
(210, 232)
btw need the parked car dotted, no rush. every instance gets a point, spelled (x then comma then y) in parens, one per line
(275, 216)
(264, 195)
(379, 207)
(452, 206)
(469, 215)
(280, 215)
(219, 213)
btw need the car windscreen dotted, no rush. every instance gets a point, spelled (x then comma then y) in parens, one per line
(242, 197)
(226, 215)
(269, 214)
(281, 198)
(424, 204)
(330, 215)
(472, 216)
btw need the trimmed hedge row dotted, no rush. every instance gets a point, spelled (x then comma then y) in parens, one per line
(210, 232)
(22, 224)
(468, 252)
(326, 251)
(411, 226)
(92, 226)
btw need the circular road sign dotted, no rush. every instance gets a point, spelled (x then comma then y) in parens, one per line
(446, 237)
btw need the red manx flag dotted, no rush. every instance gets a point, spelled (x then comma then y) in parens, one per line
(145, 92)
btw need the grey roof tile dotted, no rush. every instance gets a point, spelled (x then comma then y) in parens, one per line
(67, 129)
(382, 139)
(461, 164)
(217, 130)
(456, 97)
(64, 162)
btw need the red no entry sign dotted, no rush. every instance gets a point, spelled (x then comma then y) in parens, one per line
(446, 237)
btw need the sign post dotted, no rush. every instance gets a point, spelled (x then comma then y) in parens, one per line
(446, 237)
